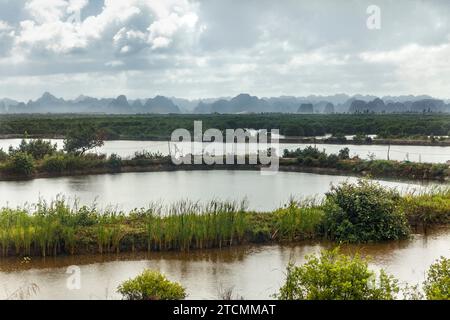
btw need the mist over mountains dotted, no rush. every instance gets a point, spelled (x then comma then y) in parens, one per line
(242, 103)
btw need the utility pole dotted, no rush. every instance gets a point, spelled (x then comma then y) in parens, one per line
(170, 151)
(389, 150)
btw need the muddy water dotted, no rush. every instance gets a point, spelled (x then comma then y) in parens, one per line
(254, 272)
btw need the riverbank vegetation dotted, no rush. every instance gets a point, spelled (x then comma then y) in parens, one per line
(38, 158)
(57, 228)
(154, 127)
(312, 157)
(332, 275)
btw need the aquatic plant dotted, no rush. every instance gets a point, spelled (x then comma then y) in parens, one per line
(151, 285)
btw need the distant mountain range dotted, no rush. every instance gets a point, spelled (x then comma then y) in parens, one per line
(243, 103)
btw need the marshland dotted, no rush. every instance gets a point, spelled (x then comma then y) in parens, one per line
(54, 210)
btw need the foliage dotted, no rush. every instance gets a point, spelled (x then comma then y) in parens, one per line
(38, 148)
(427, 208)
(82, 138)
(63, 162)
(364, 212)
(437, 283)
(58, 228)
(162, 126)
(3, 155)
(114, 162)
(335, 276)
(151, 285)
(21, 164)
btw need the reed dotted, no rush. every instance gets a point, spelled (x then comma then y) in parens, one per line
(59, 228)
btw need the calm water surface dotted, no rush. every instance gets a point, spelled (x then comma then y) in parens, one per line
(137, 190)
(253, 272)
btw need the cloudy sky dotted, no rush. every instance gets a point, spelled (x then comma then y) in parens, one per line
(209, 48)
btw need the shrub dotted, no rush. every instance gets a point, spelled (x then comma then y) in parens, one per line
(3, 155)
(114, 162)
(55, 163)
(38, 148)
(364, 212)
(437, 283)
(151, 285)
(21, 163)
(334, 276)
(344, 154)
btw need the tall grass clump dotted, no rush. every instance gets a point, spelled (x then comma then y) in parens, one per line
(427, 208)
(298, 221)
(190, 225)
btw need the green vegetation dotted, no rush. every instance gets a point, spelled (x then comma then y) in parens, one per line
(437, 284)
(82, 138)
(21, 164)
(335, 276)
(38, 148)
(313, 157)
(151, 285)
(57, 228)
(162, 126)
(35, 158)
(364, 212)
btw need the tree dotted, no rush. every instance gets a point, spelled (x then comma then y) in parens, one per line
(82, 139)
(344, 154)
(437, 283)
(151, 285)
(335, 276)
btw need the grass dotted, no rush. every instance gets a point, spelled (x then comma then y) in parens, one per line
(50, 229)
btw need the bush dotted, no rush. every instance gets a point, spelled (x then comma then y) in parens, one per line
(437, 284)
(151, 285)
(334, 276)
(3, 156)
(38, 148)
(54, 164)
(21, 163)
(114, 162)
(364, 212)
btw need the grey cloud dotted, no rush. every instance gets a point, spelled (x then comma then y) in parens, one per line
(264, 47)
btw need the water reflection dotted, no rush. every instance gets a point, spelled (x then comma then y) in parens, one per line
(255, 272)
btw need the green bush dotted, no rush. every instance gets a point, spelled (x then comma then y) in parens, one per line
(151, 285)
(55, 164)
(114, 162)
(3, 156)
(38, 148)
(21, 163)
(334, 276)
(437, 283)
(364, 212)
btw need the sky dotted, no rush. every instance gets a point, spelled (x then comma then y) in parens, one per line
(213, 48)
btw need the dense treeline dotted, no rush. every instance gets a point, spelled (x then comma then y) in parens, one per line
(161, 126)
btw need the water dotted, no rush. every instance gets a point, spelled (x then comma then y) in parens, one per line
(433, 154)
(138, 190)
(255, 272)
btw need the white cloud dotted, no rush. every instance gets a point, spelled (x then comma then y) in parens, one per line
(208, 48)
